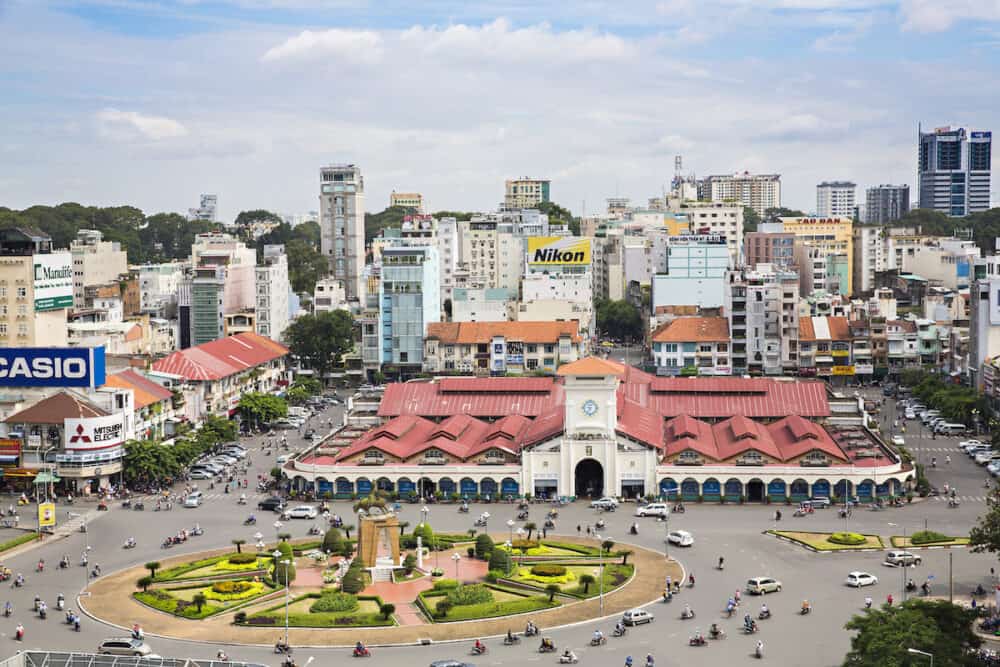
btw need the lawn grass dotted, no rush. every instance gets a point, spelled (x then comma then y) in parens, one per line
(505, 602)
(18, 541)
(819, 542)
(615, 575)
(177, 600)
(904, 542)
(299, 616)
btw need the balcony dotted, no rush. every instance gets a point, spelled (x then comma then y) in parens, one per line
(493, 461)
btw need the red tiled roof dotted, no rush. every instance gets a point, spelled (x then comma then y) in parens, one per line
(824, 328)
(782, 440)
(796, 436)
(751, 397)
(145, 392)
(470, 333)
(685, 432)
(693, 329)
(426, 399)
(221, 358)
(739, 434)
(512, 384)
(592, 366)
(56, 408)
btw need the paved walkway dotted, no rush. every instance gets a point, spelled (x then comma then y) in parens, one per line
(108, 602)
(408, 614)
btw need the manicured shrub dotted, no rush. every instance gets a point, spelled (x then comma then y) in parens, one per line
(525, 544)
(409, 563)
(426, 534)
(493, 575)
(281, 572)
(847, 539)
(242, 559)
(484, 546)
(928, 537)
(240, 617)
(353, 580)
(445, 584)
(443, 607)
(548, 570)
(333, 602)
(333, 543)
(229, 587)
(500, 560)
(471, 594)
(220, 592)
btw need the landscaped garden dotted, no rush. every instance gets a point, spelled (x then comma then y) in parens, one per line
(840, 541)
(327, 609)
(449, 601)
(201, 600)
(927, 538)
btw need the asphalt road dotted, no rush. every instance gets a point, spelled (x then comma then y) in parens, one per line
(731, 531)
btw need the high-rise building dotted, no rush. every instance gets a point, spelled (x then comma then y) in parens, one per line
(829, 247)
(207, 210)
(869, 256)
(886, 203)
(413, 200)
(95, 262)
(954, 170)
(272, 293)
(409, 301)
(222, 284)
(758, 191)
(525, 193)
(835, 199)
(762, 306)
(36, 288)
(342, 224)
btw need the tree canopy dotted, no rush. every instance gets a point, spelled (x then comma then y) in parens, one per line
(391, 217)
(262, 408)
(319, 340)
(933, 626)
(619, 320)
(306, 263)
(772, 214)
(559, 215)
(149, 461)
(750, 219)
(247, 218)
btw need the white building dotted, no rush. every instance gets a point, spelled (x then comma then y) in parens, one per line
(835, 199)
(716, 218)
(342, 224)
(272, 293)
(206, 210)
(693, 346)
(944, 261)
(762, 307)
(869, 256)
(158, 284)
(95, 262)
(492, 257)
(758, 191)
(695, 273)
(329, 295)
(483, 304)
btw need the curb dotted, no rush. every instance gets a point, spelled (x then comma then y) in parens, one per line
(813, 549)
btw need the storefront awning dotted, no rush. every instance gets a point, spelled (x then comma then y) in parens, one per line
(45, 477)
(18, 472)
(9, 458)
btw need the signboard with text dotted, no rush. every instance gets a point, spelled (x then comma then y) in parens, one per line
(558, 250)
(94, 432)
(52, 366)
(53, 278)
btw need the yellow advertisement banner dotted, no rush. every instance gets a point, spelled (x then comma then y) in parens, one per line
(843, 370)
(46, 515)
(563, 250)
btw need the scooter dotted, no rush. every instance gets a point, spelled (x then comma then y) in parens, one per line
(570, 659)
(750, 628)
(463, 509)
(697, 640)
(281, 648)
(805, 610)
(598, 641)
(687, 614)
(138, 507)
(313, 530)
(478, 650)
(129, 544)
(549, 523)
(249, 521)
(764, 615)
(619, 632)
(511, 640)
(758, 652)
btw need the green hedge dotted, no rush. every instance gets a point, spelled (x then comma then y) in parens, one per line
(928, 537)
(849, 539)
(470, 594)
(445, 584)
(335, 601)
(275, 616)
(17, 541)
(548, 570)
(527, 603)
(177, 571)
(168, 603)
(242, 559)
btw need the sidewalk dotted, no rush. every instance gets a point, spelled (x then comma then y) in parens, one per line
(109, 602)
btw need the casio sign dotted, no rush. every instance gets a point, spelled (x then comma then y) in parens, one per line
(51, 367)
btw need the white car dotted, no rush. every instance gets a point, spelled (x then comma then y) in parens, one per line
(910, 414)
(653, 509)
(681, 538)
(303, 512)
(965, 444)
(859, 579)
(606, 503)
(898, 441)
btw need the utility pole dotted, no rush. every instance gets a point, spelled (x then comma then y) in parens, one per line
(951, 579)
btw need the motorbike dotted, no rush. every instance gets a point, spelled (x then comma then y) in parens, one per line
(281, 648)
(764, 615)
(677, 509)
(241, 501)
(687, 614)
(64, 564)
(547, 646)
(750, 628)
(249, 521)
(127, 503)
(570, 659)
(717, 633)
(758, 652)
(511, 640)
(953, 502)
(805, 610)
(195, 532)
(19, 633)
(530, 631)
(522, 516)
(43, 613)
(138, 507)
(697, 640)
(619, 632)
(480, 522)
(549, 523)
(463, 509)
(478, 650)
(129, 544)
(167, 543)
(598, 641)
(363, 653)
(60, 602)
(910, 587)
(668, 595)
(313, 530)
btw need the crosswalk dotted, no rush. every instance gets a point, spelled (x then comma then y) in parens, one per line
(947, 450)
(964, 499)
(233, 495)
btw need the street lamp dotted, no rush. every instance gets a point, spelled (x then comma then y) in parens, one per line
(902, 566)
(510, 530)
(455, 557)
(423, 514)
(86, 550)
(286, 563)
(600, 552)
(914, 651)
(486, 520)
(666, 535)
(520, 536)
(277, 529)
(510, 545)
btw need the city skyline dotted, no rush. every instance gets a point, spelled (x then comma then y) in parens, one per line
(152, 104)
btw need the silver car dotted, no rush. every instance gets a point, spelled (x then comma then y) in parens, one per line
(124, 646)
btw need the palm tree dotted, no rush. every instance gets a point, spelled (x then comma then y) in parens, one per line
(471, 532)
(239, 545)
(403, 525)
(586, 580)
(387, 609)
(552, 589)
(199, 601)
(144, 583)
(284, 537)
(347, 530)
(153, 566)
(374, 500)
(625, 554)
(607, 545)
(531, 526)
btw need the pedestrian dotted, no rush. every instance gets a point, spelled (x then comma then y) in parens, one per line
(588, 529)
(888, 599)
(578, 529)
(545, 532)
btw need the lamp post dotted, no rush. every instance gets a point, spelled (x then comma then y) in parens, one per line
(600, 546)
(423, 514)
(914, 651)
(902, 567)
(277, 529)
(486, 521)
(666, 535)
(455, 557)
(86, 551)
(510, 530)
(510, 545)
(277, 554)
(520, 536)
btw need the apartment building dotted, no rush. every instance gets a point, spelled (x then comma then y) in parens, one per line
(483, 304)
(762, 307)
(869, 257)
(497, 348)
(758, 191)
(954, 170)
(222, 282)
(835, 199)
(95, 262)
(902, 346)
(825, 345)
(714, 218)
(207, 209)
(946, 262)
(36, 289)
(525, 193)
(776, 248)
(833, 240)
(342, 224)
(413, 200)
(492, 255)
(408, 303)
(329, 295)
(158, 285)
(886, 203)
(695, 273)
(272, 293)
(693, 346)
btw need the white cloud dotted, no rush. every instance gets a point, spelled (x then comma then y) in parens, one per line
(359, 47)
(129, 124)
(499, 42)
(845, 39)
(937, 16)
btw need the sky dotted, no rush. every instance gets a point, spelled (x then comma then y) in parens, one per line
(153, 102)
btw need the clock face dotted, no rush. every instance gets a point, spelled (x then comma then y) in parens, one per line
(589, 408)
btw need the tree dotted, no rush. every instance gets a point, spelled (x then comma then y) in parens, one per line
(239, 545)
(319, 340)
(297, 395)
(484, 546)
(353, 580)
(332, 541)
(500, 560)
(750, 219)
(403, 525)
(199, 600)
(258, 408)
(310, 385)
(306, 265)
(607, 546)
(559, 216)
(144, 583)
(283, 571)
(587, 580)
(531, 526)
(933, 626)
(284, 536)
(772, 214)
(153, 566)
(625, 554)
(409, 563)
(985, 535)
(443, 607)
(552, 590)
(619, 320)
(247, 218)
(387, 609)
(458, 215)
(391, 217)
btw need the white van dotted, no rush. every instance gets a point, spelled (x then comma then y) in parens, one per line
(944, 428)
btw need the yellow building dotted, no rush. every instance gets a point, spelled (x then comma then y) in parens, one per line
(36, 289)
(413, 200)
(831, 236)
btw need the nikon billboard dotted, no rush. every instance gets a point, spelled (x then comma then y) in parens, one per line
(558, 251)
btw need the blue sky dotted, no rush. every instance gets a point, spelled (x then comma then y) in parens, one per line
(152, 102)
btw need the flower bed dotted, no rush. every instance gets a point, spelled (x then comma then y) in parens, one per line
(219, 596)
(505, 602)
(230, 591)
(365, 614)
(821, 541)
(164, 601)
(257, 563)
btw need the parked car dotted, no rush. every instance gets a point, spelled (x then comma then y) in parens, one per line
(904, 558)
(681, 538)
(636, 617)
(821, 502)
(273, 504)
(194, 499)
(606, 503)
(124, 646)
(200, 473)
(451, 663)
(303, 512)
(653, 509)
(910, 414)
(898, 440)
(859, 579)
(283, 424)
(965, 444)
(763, 585)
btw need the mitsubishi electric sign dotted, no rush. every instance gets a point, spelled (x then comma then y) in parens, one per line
(52, 366)
(94, 432)
(53, 281)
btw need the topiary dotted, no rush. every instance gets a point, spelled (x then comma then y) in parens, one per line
(334, 601)
(409, 563)
(280, 572)
(484, 546)
(242, 559)
(471, 594)
(847, 539)
(231, 587)
(928, 537)
(332, 541)
(525, 544)
(548, 570)
(445, 584)
(500, 560)
(353, 580)
(425, 533)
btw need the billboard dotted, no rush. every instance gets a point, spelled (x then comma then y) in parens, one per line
(51, 366)
(46, 515)
(558, 250)
(53, 281)
(93, 432)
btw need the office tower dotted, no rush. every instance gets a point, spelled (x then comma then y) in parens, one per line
(342, 224)
(835, 199)
(886, 203)
(758, 191)
(409, 299)
(954, 170)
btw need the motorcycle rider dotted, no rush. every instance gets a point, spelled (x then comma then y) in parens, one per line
(806, 607)
(619, 628)
(479, 647)
(764, 611)
(649, 660)
(714, 630)
(687, 613)
(868, 602)
(359, 649)
(759, 651)
(598, 637)
(568, 656)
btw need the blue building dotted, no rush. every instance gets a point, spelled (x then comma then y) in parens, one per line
(409, 299)
(954, 167)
